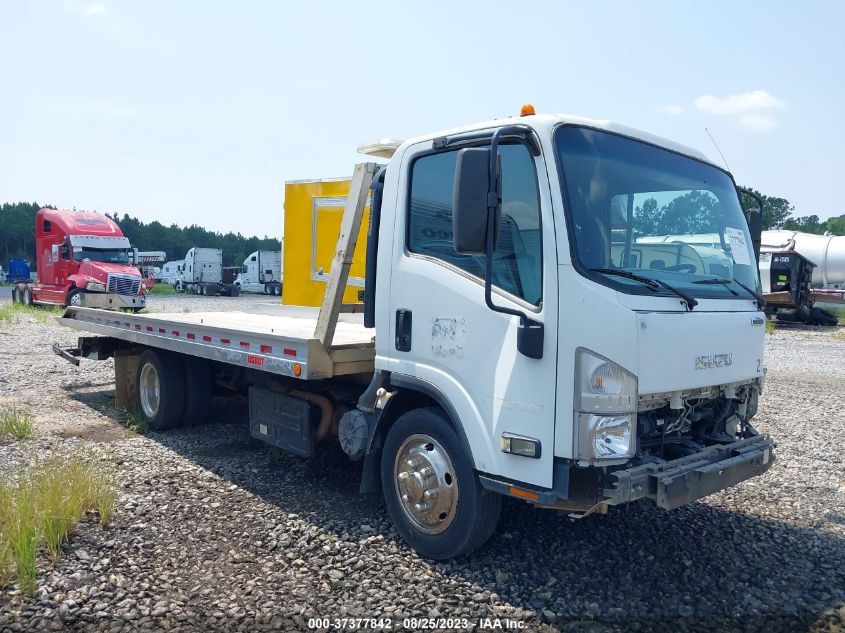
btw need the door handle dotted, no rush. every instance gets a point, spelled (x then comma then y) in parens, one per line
(403, 330)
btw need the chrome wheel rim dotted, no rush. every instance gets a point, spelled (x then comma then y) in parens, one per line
(76, 299)
(150, 390)
(426, 484)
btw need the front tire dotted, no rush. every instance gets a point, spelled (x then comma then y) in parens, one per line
(74, 298)
(160, 389)
(431, 490)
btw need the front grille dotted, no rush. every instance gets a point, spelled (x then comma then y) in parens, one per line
(123, 284)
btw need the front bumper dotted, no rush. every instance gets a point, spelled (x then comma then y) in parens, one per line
(111, 301)
(682, 481)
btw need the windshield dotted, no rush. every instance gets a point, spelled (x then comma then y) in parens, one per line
(646, 210)
(109, 256)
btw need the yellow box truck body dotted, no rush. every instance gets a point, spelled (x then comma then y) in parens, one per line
(313, 211)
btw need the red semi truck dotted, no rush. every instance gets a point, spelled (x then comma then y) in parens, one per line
(83, 260)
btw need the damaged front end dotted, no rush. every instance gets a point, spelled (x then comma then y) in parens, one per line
(691, 444)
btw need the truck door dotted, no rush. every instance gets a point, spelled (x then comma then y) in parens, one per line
(443, 333)
(62, 266)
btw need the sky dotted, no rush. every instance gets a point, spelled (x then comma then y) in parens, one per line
(196, 111)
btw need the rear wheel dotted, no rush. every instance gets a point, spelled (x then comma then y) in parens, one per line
(198, 390)
(16, 294)
(277, 290)
(26, 296)
(160, 387)
(430, 489)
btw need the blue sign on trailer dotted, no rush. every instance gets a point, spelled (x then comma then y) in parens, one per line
(18, 270)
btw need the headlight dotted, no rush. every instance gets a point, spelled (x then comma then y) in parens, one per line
(96, 286)
(606, 436)
(605, 408)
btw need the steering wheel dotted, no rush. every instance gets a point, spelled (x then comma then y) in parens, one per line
(681, 268)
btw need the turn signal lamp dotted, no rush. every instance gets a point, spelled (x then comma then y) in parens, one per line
(527, 110)
(297, 370)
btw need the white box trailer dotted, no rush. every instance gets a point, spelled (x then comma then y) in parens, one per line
(515, 338)
(261, 272)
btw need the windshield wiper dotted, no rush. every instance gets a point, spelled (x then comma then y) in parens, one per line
(761, 303)
(651, 282)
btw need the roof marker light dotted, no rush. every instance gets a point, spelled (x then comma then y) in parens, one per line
(527, 110)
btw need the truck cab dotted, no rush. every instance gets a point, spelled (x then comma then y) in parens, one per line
(171, 272)
(573, 345)
(261, 271)
(81, 255)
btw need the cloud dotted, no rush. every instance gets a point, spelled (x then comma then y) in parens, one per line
(671, 110)
(757, 121)
(751, 101)
(96, 8)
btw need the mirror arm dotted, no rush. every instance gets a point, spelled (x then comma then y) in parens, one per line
(530, 333)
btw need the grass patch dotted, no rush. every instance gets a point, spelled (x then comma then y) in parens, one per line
(839, 312)
(770, 326)
(47, 502)
(10, 313)
(162, 289)
(17, 424)
(134, 422)
(20, 533)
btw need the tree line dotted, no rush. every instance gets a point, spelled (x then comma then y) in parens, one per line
(17, 228)
(17, 236)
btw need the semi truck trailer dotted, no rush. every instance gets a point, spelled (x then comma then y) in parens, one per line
(83, 259)
(521, 333)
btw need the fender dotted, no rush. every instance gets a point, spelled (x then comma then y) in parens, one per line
(370, 478)
(78, 280)
(432, 391)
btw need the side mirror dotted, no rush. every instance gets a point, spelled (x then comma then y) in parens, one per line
(469, 201)
(754, 219)
(755, 228)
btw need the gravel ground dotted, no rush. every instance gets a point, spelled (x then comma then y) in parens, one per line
(214, 531)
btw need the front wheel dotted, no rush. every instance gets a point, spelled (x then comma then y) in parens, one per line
(430, 489)
(74, 297)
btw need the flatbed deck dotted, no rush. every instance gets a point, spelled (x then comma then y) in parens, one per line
(277, 339)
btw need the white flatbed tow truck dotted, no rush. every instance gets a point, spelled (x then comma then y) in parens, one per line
(530, 329)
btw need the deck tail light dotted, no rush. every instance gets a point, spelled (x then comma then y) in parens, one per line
(605, 408)
(520, 445)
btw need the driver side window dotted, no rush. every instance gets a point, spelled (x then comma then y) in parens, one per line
(517, 260)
